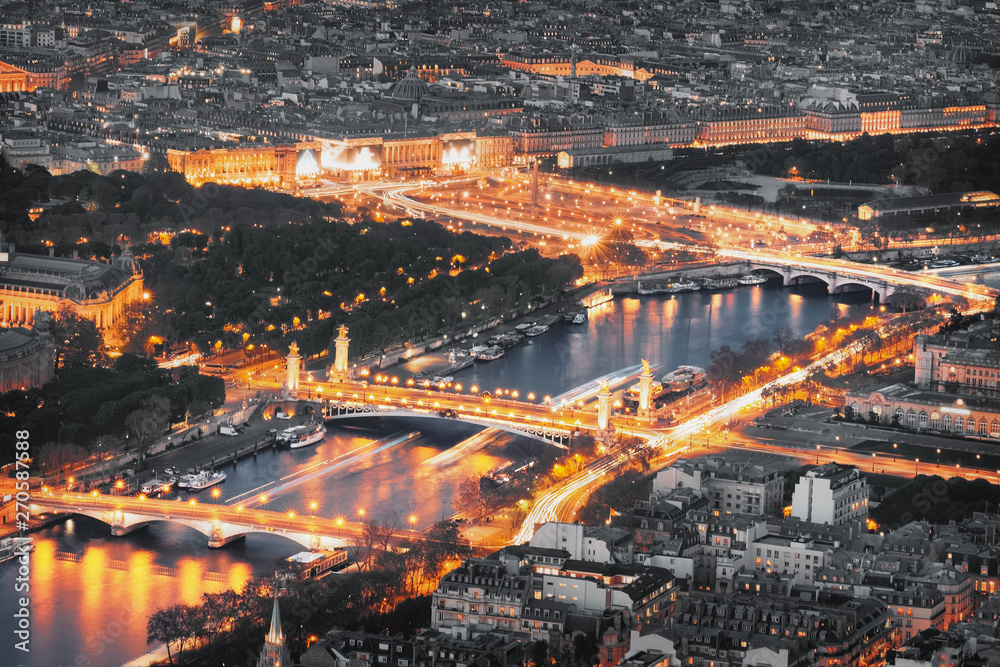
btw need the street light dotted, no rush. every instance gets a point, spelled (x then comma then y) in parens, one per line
(916, 468)
(817, 454)
(873, 461)
(413, 521)
(894, 446)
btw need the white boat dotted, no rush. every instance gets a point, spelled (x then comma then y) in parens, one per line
(302, 435)
(185, 481)
(752, 279)
(537, 330)
(491, 353)
(524, 327)
(719, 283)
(687, 286)
(14, 547)
(205, 479)
(579, 318)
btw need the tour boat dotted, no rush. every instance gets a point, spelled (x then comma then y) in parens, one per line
(185, 481)
(206, 479)
(579, 318)
(13, 547)
(752, 279)
(597, 298)
(303, 435)
(537, 330)
(521, 328)
(510, 339)
(719, 283)
(490, 354)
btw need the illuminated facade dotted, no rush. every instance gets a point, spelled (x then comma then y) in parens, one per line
(920, 410)
(548, 142)
(393, 156)
(256, 165)
(674, 134)
(922, 205)
(98, 292)
(27, 356)
(14, 79)
(751, 130)
(564, 65)
(957, 363)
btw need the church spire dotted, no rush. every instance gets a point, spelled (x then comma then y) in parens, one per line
(275, 635)
(275, 653)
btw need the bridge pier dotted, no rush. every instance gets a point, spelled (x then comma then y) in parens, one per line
(223, 541)
(123, 529)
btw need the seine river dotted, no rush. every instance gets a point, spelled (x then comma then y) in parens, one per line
(91, 593)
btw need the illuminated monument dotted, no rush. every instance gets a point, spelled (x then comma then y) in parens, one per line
(293, 364)
(604, 408)
(645, 389)
(339, 371)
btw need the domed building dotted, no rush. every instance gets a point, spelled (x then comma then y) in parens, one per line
(94, 290)
(27, 356)
(962, 55)
(410, 90)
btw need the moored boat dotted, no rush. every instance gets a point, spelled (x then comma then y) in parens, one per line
(303, 435)
(206, 479)
(719, 283)
(537, 330)
(752, 279)
(14, 547)
(597, 298)
(491, 353)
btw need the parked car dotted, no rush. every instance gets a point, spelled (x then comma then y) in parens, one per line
(281, 415)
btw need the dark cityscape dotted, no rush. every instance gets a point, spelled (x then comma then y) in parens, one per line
(389, 333)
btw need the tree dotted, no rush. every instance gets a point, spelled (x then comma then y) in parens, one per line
(55, 457)
(78, 342)
(165, 626)
(444, 541)
(148, 423)
(540, 653)
(585, 648)
(156, 164)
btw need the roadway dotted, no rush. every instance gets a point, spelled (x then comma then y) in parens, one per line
(559, 503)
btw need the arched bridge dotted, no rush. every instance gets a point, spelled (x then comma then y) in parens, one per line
(549, 433)
(837, 273)
(836, 279)
(221, 524)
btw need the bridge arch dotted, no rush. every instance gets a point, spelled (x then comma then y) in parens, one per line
(219, 533)
(550, 435)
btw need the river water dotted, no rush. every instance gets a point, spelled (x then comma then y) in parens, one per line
(91, 593)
